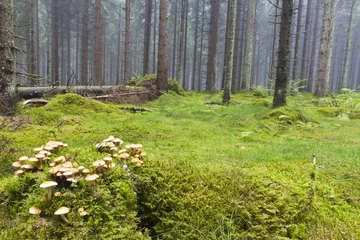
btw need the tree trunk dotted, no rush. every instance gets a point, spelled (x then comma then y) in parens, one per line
(282, 73)
(306, 41)
(7, 53)
(326, 46)
(230, 52)
(154, 40)
(147, 35)
(97, 50)
(68, 61)
(55, 55)
(249, 45)
(85, 45)
(33, 69)
(175, 38)
(127, 43)
(49, 43)
(162, 82)
(37, 37)
(197, 4)
(211, 72)
(274, 45)
(313, 49)
(185, 79)
(118, 63)
(236, 47)
(201, 46)
(344, 81)
(179, 70)
(226, 44)
(297, 40)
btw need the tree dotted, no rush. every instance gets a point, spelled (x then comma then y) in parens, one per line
(236, 47)
(85, 45)
(297, 39)
(230, 52)
(306, 41)
(282, 72)
(97, 50)
(249, 46)
(197, 5)
(147, 35)
(344, 80)
(162, 82)
(179, 70)
(274, 46)
(211, 72)
(7, 52)
(127, 43)
(326, 46)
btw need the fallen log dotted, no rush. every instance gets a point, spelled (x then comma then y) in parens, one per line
(134, 109)
(35, 102)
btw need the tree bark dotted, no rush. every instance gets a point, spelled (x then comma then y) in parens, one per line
(147, 35)
(55, 54)
(236, 47)
(7, 52)
(185, 79)
(211, 72)
(197, 4)
(97, 50)
(118, 63)
(297, 40)
(306, 40)
(85, 45)
(179, 71)
(274, 45)
(249, 46)
(230, 52)
(326, 46)
(175, 38)
(282, 73)
(127, 44)
(344, 81)
(162, 82)
(201, 46)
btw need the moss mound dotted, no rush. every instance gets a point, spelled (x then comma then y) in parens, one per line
(286, 113)
(71, 103)
(174, 86)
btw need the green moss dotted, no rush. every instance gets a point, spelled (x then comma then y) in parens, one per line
(174, 86)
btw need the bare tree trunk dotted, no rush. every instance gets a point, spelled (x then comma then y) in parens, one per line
(306, 41)
(7, 52)
(197, 4)
(37, 37)
(69, 7)
(326, 46)
(179, 70)
(104, 51)
(201, 46)
(147, 35)
(313, 49)
(274, 45)
(226, 44)
(55, 55)
(211, 73)
(85, 45)
(249, 45)
(118, 63)
(154, 40)
(236, 47)
(282, 73)
(344, 81)
(230, 49)
(97, 50)
(175, 38)
(127, 43)
(33, 56)
(297, 40)
(49, 44)
(185, 79)
(162, 82)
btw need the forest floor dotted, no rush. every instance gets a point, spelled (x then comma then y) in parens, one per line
(245, 143)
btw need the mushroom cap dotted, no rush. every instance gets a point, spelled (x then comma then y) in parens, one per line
(81, 168)
(67, 164)
(109, 139)
(57, 194)
(38, 149)
(99, 163)
(124, 155)
(33, 159)
(27, 167)
(62, 210)
(91, 177)
(34, 211)
(117, 141)
(23, 158)
(72, 180)
(19, 172)
(111, 165)
(68, 173)
(85, 170)
(64, 169)
(48, 184)
(40, 156)
(46, 153)
(16, 164)
(107, 158)
(59, 159)
(52, 164)
(53, 170)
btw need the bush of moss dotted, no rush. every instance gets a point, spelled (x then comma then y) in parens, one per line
(178, 200)
(174, 86)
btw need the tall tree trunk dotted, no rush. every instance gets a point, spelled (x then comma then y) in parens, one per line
(274, 45)
(37, 38)
(249, 45)
(313, 49)
(201, 46)
(179, 71)
(118, 63)
(211, 72)
(28, 42)
(306, 41)
(297, 40)
(49, 43)
(282, 73)
(344, 81)
(236, 47)
(242, 83)
(230, 52)
(68, 68)
(162, 82)
(104, 52)
(175, 38)
(226, 44)
(97, 50)
(33, 56)
(197, 5)
(326, 46)
(55, 54)
(85, 45)
(154, 40)
(185, 79)
(127, 43)
(147, 35)
(7, 53)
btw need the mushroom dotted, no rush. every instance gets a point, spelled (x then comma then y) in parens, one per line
(35, 161)
(57, 194)
(91, 179)
(99, 165)
(62, 211)
(49, 185)
(109, 139)
(34, 211)
(107, 160)
(86, 171)
(17, 164)
(117, 141)
(27, 167)
(38, 149)
(19, 172)
(23, 159)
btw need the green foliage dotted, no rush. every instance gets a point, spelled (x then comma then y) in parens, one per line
(174, 86)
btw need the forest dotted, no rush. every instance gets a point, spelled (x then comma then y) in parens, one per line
(179, 119)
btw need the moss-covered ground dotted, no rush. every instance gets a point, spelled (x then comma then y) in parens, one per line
(243, 171)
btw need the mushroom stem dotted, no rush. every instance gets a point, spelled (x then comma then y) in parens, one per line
(49, 193)
(65, 219)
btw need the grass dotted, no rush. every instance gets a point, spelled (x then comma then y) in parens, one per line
(249, 146)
